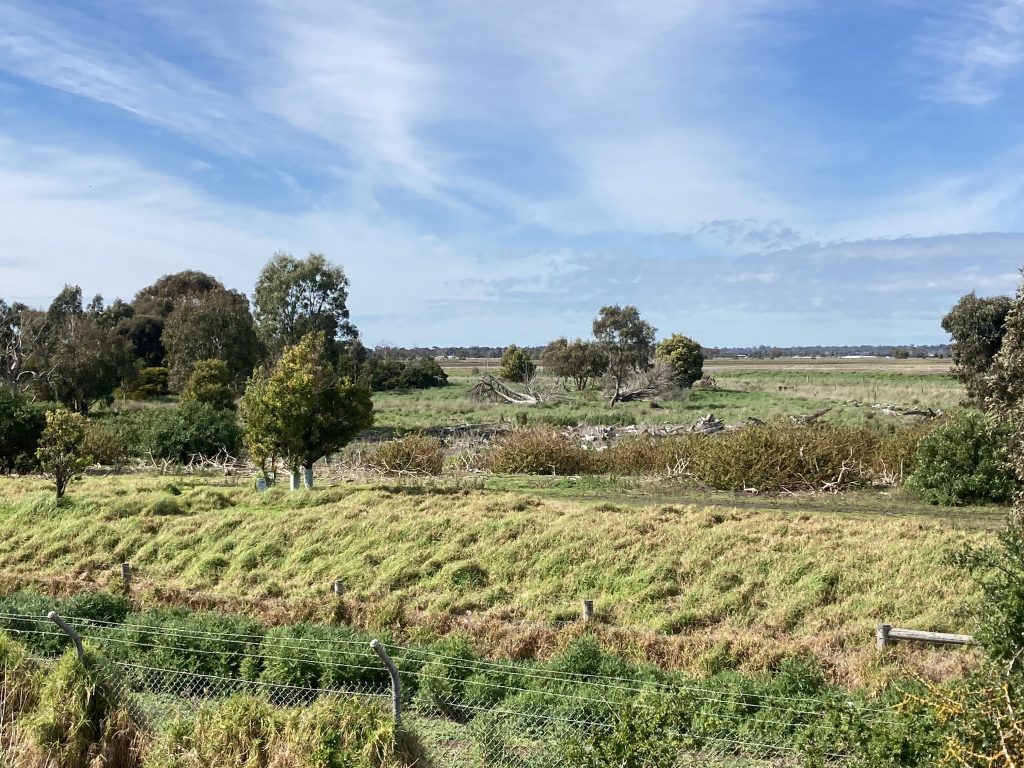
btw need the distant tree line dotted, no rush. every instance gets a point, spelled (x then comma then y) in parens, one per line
(859, 350)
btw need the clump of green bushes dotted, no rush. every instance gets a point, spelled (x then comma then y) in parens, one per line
(423, 373)
(21, 425)
(179, 432)
(964, 462)
(410, 455)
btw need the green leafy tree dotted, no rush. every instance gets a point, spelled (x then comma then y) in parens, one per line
(61, 448)
(296, 297)
(516, 364)
(578, 361)
(80, 358)
(214, 325)
(303, 409)
(144, 333)
(977, 326)
(162, 297)
(684, 357)
(21, 425)
(627, 341)
(210, 382)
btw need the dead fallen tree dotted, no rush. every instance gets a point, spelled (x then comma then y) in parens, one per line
(491, 389)
(809, 418)
(657, 381)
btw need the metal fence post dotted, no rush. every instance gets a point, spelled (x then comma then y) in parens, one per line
(396, 685)
(56, 619)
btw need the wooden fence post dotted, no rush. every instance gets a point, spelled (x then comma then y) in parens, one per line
(126, 577)
(882, 636)
(588, 610)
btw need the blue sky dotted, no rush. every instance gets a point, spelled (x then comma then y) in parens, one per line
(746, 172)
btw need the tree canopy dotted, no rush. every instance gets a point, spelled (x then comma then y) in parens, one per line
(213, 325)
(80, 358)
(578, 361)
(977, 326)
(303, 409)
(626, 340)
(295, 297)
(685, 358)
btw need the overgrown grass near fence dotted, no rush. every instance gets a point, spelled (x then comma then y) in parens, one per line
(699, 588)
(306, 696)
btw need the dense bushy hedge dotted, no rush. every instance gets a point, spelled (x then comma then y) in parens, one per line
(179, 432)
(21, 425)
(423, 373)
(963, 462)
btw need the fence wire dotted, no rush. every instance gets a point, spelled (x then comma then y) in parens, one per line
(463, 712)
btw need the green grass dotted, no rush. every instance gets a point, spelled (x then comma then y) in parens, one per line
(762, 393)
(676, 579)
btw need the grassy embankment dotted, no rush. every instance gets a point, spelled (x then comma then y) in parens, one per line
(691, 585)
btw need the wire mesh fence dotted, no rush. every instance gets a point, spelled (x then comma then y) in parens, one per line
(463, 711)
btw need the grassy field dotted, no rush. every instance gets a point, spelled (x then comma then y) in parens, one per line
(762, 389)
(698, 586)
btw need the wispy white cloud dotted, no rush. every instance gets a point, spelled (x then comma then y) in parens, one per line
(973, 49)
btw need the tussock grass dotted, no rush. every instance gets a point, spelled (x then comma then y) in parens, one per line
(700, 588)
(247, 731)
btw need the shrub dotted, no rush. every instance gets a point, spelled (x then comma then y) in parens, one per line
(104, 445)
(61, 450)
(415, 455)
(21, 425)
(26, 616)
(685, 358)
(537, 451)
(443, 679)
(316, 656)
(210, 382)
(180, 432)
(645, 455)
(423, 373)
(178, 639)
(516, 364)
(151, 382)
(772, 457)
(961, 462)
